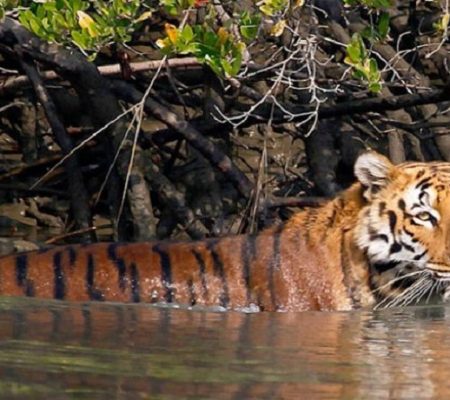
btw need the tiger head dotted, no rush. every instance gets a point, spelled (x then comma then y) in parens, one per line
(404, 227)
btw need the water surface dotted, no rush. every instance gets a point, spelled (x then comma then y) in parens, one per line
(110, 351)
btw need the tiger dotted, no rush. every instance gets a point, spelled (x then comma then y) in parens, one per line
(382, 242)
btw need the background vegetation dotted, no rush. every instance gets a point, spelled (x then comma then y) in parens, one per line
(202, 118)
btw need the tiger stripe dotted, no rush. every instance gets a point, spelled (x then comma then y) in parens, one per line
(72, 253)
(59, 284)
(94, 294)
(202, 271)
(224, 297)
(334, 257)
(166, 272)
(21, 273)
(118, 262)
(135, 285)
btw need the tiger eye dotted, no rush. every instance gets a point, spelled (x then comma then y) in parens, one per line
(424, 216)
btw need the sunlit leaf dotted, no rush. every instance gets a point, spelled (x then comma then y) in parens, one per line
(144, 16)
(171, 32)
(278, 28)
(86, 22)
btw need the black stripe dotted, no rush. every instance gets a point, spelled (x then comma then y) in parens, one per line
(135, 288)
(166, 272)
(395, 248)
(94, 294)
(72, 255)
(202, 267)
(381, 236)
(59, 284)
(419, 256)
(408, 247)
(421, 196)
(420, 174)
(21, 269)
(381, 267)
(426, 186)
(373, 235)
(411, 235)
(21, 275)
(218, 266)
(392, 220)
(119, 263)
(423, 182)
(433, 220)
(248, 253)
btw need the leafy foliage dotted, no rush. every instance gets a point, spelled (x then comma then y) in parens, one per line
(364, 67)
(77, 22)
(370, 3)
(91, 25)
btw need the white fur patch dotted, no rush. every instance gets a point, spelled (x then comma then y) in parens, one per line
(374, 232)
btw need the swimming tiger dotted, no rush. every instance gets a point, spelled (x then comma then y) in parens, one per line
(385, 241)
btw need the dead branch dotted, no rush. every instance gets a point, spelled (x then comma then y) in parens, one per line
(188, 132)
(77, 190)
(13, 83)
(103, 107)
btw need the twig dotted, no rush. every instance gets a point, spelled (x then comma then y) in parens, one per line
(187, 131)
(275, 202)
(77, 190)
(78, 232)
(15, 82)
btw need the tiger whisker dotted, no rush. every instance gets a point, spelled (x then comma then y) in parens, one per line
(426, 289)
(406, 296)
(419, 292)
(398, 278)
(435, 288)
(422, 287)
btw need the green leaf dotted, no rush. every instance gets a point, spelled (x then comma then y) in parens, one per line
(375, 87)
(187, 34)
(373, 67)
(80, 38)
(383, 25)
(35, 26)
(249, 26)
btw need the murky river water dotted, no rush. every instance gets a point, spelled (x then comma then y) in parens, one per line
(108, 351)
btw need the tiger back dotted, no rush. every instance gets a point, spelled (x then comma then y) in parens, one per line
(383, 242)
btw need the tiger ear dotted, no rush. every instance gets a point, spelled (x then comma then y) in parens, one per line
(373, 171)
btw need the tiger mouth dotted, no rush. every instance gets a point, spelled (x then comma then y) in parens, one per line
(439, 270)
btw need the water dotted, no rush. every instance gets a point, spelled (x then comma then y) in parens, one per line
(58, 350)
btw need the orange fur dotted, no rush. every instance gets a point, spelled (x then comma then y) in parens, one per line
(321, 259)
